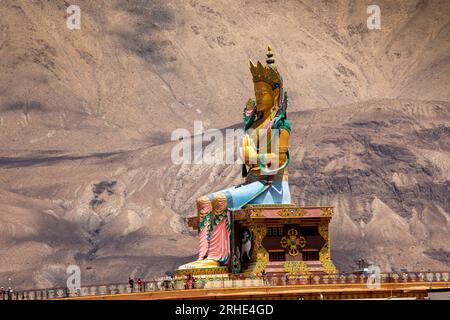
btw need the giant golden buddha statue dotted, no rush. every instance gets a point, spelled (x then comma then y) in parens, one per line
(265, 154)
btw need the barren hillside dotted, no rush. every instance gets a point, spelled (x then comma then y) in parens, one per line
(86, 117)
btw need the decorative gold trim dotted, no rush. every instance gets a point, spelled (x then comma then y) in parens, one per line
(254, 213)
(259, 254)
(292, 240)
(327, 212)
(296, 267)
(270, 206)
(324, 253)
(315, 207)
(292, 213)
(202, 271)
(282, 206)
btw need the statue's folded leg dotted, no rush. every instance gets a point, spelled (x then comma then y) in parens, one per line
(215, 224)
(204, 214)
(277, 193)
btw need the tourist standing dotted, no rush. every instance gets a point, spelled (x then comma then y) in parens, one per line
(265, 280)
(139, 284)
(10, 293)
(189, 281)
(131, 283)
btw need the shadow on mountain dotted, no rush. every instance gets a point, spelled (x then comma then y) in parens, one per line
(18, 162)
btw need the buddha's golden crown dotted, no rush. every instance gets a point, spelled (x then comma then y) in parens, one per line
(267, 73)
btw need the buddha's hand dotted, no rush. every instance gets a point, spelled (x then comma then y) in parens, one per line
(247, 142)
(249, 151)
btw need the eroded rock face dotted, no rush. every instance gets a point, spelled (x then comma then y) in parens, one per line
(86, 118)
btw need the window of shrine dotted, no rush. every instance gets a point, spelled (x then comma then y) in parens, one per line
(275, 232)
(310, 255)
(277, 256)
(309, 231)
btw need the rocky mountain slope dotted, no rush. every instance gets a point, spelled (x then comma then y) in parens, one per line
(86, 117)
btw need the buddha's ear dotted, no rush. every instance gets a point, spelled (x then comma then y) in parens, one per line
(276, 96)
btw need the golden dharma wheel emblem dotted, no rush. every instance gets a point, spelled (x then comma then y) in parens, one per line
(293, 241)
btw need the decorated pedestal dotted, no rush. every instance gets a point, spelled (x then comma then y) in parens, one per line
(284, 238)
(276, 238)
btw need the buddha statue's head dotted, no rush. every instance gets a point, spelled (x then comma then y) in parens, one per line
(267, 83)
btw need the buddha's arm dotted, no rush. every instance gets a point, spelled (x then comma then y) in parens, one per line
(252, 156)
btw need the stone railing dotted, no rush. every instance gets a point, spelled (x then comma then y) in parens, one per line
(91, 290)
(282, 280)
(232, 281)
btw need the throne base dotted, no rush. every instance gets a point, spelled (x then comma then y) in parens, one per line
(285, 238)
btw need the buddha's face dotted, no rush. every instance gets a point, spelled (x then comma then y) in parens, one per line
(265, 96)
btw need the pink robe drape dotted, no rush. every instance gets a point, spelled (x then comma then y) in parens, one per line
(204, 243)
(219, 245)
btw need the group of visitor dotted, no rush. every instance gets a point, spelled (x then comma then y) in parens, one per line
(139, 284)
(266, 278)
(6, 294)
(165, 283)
(162, 283)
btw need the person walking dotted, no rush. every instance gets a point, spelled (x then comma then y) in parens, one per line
(286, 278)
(131, 283)
(2, 293)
